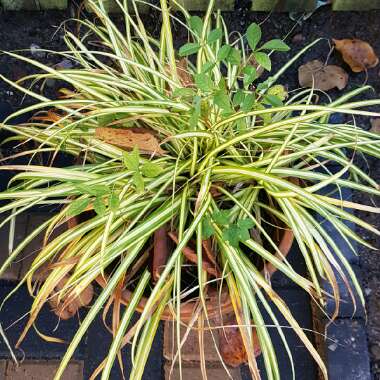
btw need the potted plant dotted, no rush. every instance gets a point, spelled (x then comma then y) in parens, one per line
(192, 179)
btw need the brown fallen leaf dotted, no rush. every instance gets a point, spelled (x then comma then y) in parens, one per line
(375, 126)
(66, 308)
(358, 54)
(185, 77)
(160, 252)
(128, 138)
(324, 78)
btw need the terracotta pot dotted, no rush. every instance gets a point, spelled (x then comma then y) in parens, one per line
(218, 303)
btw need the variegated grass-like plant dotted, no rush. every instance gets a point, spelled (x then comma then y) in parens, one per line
(211, 127)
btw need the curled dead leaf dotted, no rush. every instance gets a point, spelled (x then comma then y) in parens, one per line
(184, 76)
(324, 78)
(375, 126)
(358, 54)
(65, 307)
(128, 138)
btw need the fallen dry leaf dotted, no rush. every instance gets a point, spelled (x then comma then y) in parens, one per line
(324, 78)
(358, 54)
(65, 308)
(375, 126)
(160, 252)
(128, 138)
(185, 77)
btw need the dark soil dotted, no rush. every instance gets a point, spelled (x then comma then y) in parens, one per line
(20, 30)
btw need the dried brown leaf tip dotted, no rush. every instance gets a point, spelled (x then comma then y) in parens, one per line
(65, 307)
(316, 74)
(128, 138)
(358, 54)
(375, 126)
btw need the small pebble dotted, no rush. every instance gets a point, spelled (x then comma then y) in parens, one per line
(298, 38)
(34, 49)
(333, 346)
(367, 291)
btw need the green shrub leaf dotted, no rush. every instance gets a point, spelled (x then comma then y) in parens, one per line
(253, 35)
(151, 170)
(99, 206)
(78, 206)
(132, 159)
(196, 25)
(263, 60)
(277, 45)
(204, 82)
(189, 48)
(214, 35)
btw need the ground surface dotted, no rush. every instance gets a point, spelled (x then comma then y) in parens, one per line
(20, 30)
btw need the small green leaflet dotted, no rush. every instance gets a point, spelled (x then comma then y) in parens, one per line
(99, 206)
(77, 206)
(238, 98)
(250, 74)
(132, 159)
(248, 103)
(221, 217)
(189, 48)
(138, 181)
(95, 190)
(196, 24)
(207, 67)
(234, 57)
(253, 35)
(277, 45)
(222, 100)
(214, 35)
(113, 202)
(263, 60)
(183, 92)
(223, 52)
(151, 169)
(238, 232)
(207, 228)
(204, 82)
(273, 100)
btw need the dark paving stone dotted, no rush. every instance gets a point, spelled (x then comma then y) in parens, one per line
(347, 350)
(346, 308)
(305, 369)
(99, 341)
(13, 318)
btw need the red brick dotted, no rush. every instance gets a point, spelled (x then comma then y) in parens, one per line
(42, 370)
(194, 373)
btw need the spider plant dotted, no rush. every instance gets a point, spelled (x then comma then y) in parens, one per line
(219, 129)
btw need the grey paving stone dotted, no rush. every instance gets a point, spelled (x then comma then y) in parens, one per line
(347, 350)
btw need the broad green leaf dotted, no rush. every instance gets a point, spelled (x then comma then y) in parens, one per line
(277, 45)
(245, 223)
(253, 35)
(222, 100)
(223, 52)
(189, 48)
(248, 103)
(95, 190)
(214, 35)
(99, 206)
(151, 169)
(204, 82)
(250, 74)
(132, 159)
(138, 181)
(77, 206)
(263, 60)
(196, 25)
(238, 97)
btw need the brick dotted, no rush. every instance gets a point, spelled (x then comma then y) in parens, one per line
(201, 5)
(194, 373)
(355, 5)
(347, 350)
(12, 273)
(32, 5)
(283, 5)
(38, 370)
(190, 349)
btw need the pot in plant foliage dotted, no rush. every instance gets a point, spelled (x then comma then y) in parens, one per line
(187, 184)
